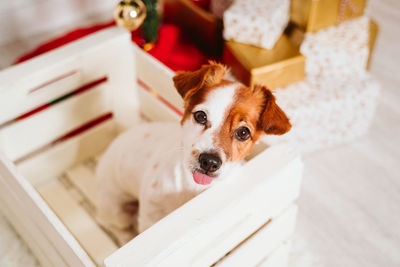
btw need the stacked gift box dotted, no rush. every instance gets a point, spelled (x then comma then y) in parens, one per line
(336, 101)
(314, 54)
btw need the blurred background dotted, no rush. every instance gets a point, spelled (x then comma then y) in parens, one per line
(349, 205)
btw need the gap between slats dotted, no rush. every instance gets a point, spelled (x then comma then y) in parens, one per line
(36, 131)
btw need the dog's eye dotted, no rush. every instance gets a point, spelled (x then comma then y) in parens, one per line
(200, 117)
(242, 134)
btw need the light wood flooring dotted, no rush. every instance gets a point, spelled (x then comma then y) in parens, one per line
(350, 202)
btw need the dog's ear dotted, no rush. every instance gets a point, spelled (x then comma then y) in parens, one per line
(272, 119)
(187, 83)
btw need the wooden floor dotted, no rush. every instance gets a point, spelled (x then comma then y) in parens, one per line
(350, 203)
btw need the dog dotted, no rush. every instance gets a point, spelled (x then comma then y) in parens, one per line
(157, 167)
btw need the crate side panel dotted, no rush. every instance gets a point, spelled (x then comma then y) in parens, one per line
(263, 242)
(157, 76)
(200, 221)
(40, 80)
(44, 251)
(279, 257)
(60, 157)
(34, 209)
(153, 109)
(47, 126)
(261, 205)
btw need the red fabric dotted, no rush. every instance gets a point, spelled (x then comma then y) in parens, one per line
(172, 47)
(204, 4)
(60, 41)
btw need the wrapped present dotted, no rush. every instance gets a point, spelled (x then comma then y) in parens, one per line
(327, 111)
(200, 25)
(313, 15)
(338, 50)
(275, 68)
(218, 7)
(255, 22)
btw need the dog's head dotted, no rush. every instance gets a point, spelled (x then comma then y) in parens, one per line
(223, 120)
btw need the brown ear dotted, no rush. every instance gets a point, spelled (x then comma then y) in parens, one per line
(272, 120)
(187, 83)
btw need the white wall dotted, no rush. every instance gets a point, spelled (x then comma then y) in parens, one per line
(20, 19)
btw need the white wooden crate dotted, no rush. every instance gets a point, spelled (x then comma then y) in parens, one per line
(46, 179)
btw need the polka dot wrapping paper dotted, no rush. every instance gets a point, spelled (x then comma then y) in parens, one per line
(256, 22)
(327, 111)
(336, 50)
(337, 100)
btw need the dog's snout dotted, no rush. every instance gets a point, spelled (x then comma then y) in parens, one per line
(209, 162)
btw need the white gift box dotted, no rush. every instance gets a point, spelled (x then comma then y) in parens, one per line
(256, 22)
(337, 50)
(47, 160)
(326, 111)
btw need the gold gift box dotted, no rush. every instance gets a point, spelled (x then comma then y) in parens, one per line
(275, 68)
(312, 15)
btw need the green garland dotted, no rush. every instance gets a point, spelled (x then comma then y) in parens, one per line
(152, 21)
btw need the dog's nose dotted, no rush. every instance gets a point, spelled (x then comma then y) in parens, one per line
(209, 162)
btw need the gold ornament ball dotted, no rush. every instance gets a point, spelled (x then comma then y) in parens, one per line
(130, 14)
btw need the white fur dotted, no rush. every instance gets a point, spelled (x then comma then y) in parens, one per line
(215, 106)
(153, 163)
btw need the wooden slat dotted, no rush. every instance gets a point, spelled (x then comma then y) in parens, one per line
(57, 159)
(30, 207)
(108, 52)
(198, 232)
(279, 257)
(25, 97)
(38, 243)
(153, 109)
(92, 238)
(263, 242)
(84, 179)
(82, 56)
(42, 128)
(147, 66)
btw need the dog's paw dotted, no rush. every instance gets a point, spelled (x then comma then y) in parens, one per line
(123, 236)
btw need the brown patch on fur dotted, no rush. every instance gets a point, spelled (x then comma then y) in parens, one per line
(245, 111)
(155, 166)
(255, 109)
(273, 120)
(200, 97)
(154, 184)
(189, 84)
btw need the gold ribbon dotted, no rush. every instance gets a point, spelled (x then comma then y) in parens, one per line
(342, 9)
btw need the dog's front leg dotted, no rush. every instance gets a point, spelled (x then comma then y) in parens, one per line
(150, 212)
(116, 213)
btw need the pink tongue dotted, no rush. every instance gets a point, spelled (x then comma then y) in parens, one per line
(202, 179)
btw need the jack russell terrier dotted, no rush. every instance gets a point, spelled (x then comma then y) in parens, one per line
(162, 165)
